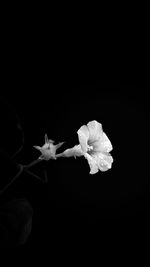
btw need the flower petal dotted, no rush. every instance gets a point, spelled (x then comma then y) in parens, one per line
(104, 161)
(83, 135)
(95, 130)
(92, 163)
(103, 144)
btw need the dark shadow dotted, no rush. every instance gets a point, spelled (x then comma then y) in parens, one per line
(15, 222)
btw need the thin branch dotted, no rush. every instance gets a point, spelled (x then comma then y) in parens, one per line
(34, 162)
(14, 178)
(19, 149)
(32, 174)
(21, 170)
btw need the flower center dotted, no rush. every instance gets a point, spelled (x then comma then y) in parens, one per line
(89, 149)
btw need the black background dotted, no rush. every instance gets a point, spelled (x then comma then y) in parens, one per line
(75, 205)
(55, 77)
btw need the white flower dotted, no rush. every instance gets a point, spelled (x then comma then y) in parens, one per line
(48, 150)
(95, 146)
